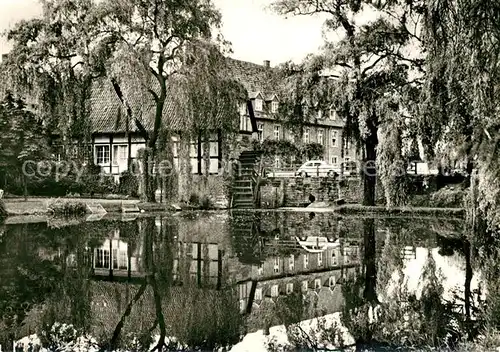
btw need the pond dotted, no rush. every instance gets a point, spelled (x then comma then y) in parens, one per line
(207, 279)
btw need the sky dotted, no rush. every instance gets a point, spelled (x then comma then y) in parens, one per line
(256, 33)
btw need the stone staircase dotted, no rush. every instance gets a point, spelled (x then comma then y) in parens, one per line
(245, 186)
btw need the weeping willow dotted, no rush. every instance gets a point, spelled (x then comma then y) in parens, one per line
(466, 35)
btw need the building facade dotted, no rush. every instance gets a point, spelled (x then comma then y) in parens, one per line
(324, 127)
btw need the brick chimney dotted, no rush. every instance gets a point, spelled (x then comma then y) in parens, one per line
(267, 63)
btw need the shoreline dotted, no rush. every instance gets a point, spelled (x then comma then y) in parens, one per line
(36, 210)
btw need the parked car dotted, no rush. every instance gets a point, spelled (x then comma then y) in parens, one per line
(315, 244)
(317, 168)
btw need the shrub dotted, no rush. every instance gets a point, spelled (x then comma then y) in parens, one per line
(202, 201)
(68, 208)
(448, 197)
(194, 199)
(205, 202)
(129, 184)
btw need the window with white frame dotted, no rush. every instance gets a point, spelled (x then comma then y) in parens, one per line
(277, 129)
(258, 104)
(275, 291)
(333, 258)
(306, 135)
(347, 147)
(305, 286)
(334, 160)
(276, 265)
(335, 138)
(274, 107)
(244, 123)
(291, 262)
(306, 261)
(320, 259)
(102, 154)
(289, 288)
(102, 259)
(258, 294)
(317, 283)
(260, 131)
(333, 114)
(120, 155)
(320, 114)
(277, 162)
(320, 136)
(291, 137)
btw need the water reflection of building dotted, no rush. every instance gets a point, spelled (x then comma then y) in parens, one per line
(199, 262)
(302, 271)
(113, 257)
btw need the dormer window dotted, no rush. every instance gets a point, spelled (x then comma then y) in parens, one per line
(258, 104)
(333, 114)
(274, 107)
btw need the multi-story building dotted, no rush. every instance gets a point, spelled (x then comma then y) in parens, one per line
(324, 127)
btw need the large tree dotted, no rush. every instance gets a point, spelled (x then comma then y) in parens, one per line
(54, 60)
(153, 46)
(152, 51)
(370, 66)
(462, 90)
(23, 140)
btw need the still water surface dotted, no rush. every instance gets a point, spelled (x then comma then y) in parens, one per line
(210, 278)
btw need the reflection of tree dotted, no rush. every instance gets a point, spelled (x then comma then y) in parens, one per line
(369, 261)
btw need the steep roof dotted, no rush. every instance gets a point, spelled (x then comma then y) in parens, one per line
(255, 78)
(107, 113)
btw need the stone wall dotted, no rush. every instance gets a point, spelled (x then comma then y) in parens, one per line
(352, 191)
(296, 192)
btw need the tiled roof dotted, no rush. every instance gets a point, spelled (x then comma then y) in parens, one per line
(107, 113)
(255, 78)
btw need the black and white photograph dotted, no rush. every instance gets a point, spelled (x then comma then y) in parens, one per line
(249, 175)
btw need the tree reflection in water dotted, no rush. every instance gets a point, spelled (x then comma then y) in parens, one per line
(168, 278)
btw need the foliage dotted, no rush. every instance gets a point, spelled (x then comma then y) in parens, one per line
(313, 151)
(202, 201)
(54, 60)
(22, 139)
(129, 184)
(67, 208)
(3, 211)
(391, 167)
(448, 197)
(461, 92)
(63, 337)
(364, 77)
(288, 151)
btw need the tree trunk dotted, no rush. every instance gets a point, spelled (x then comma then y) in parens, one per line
(25, 188)
(148, 180)
(369, 173)
(467, 288)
